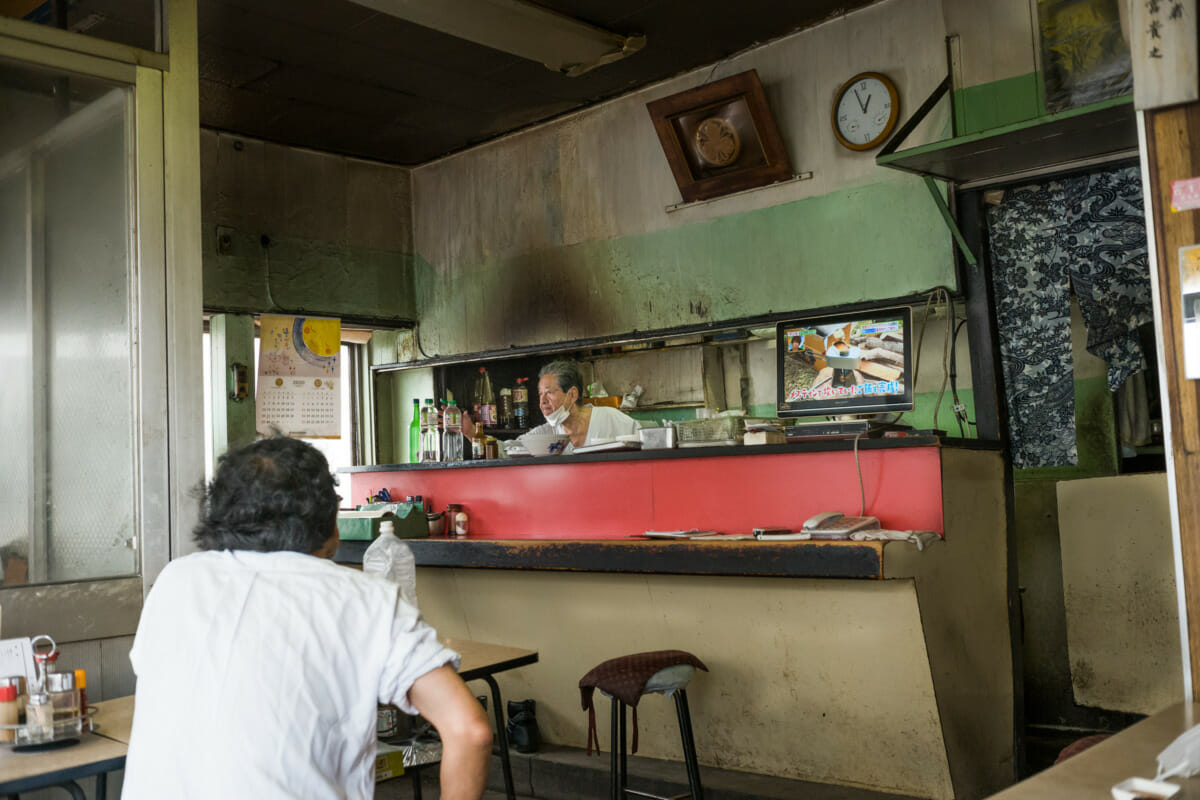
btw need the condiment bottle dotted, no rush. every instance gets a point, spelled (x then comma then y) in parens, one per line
(452, 509)
(18, 682)
(479, 443)
(485, 399)
(39, 718)
(81, 685)
(64, 697)
(8, 712)
(521, 404)
(506, 407)
(462, 523)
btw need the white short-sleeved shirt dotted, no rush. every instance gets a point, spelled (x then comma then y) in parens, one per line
(258, 675)
(605, 425)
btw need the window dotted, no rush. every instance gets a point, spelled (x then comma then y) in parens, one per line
(68, 313)
(339, 452)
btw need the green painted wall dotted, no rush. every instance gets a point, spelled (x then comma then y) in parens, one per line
(297, 275)
(1003, 102)
(868, 242)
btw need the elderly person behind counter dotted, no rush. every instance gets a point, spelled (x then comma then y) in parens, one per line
(560, 385)
(260, 662)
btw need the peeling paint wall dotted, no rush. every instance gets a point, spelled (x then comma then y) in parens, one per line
(562, 231)
(289, 230)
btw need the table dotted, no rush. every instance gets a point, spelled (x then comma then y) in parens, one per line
(1130, 753)
(96, 754)
(481, 661)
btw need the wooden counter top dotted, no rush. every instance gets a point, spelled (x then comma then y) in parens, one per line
(1130, 753)
(747, 557)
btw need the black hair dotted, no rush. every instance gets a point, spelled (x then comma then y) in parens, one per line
(566, 374)
(274, 494)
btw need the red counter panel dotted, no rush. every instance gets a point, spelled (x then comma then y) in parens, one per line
(731, 494)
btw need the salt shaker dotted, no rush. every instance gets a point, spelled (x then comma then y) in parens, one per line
(462, 523)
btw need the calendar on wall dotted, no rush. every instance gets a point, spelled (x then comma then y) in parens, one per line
(299, 375)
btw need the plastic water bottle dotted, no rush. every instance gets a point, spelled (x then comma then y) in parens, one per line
(393, 559)
(431, 444)
(452, 443)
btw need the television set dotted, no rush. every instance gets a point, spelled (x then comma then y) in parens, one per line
(847, 363)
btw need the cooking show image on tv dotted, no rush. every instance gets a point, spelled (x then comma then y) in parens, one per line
(845, 364)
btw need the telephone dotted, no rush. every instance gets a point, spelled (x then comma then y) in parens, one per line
(836, 521)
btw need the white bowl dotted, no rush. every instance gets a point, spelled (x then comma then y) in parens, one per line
(545, 444)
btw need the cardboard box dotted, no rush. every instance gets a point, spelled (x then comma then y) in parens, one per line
(389, 762)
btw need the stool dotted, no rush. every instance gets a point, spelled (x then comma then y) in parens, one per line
(626, 680)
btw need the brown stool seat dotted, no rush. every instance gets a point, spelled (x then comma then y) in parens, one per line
(625, 680)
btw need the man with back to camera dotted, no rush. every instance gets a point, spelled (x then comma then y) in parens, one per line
(260, 662)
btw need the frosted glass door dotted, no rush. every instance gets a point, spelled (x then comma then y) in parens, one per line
(67, 344)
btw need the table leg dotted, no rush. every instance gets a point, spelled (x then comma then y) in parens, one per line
(502, 738)
(74, 790)
(416, 783)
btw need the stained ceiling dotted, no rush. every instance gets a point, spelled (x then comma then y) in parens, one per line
(339, 77)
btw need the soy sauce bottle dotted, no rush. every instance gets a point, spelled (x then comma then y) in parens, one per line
(521, 404)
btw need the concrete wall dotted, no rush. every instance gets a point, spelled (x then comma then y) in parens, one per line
(288, 230)
(562, 231)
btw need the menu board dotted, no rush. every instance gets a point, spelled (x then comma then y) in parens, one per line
(299, 371)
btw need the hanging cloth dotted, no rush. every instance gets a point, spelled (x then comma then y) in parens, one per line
(1087, 231)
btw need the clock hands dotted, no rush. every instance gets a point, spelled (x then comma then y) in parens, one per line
(862, 106)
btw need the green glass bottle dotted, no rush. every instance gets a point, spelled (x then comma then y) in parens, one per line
(414, 433)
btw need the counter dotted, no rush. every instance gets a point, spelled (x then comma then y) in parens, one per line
(730, 489)
(862, 664)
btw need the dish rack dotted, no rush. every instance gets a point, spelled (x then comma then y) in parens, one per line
(714, 430)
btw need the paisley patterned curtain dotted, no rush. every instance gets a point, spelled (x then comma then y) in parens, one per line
(1086, 232)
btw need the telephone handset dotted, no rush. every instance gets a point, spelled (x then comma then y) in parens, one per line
(839, 522)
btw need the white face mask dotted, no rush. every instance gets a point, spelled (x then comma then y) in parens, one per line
(559, 415)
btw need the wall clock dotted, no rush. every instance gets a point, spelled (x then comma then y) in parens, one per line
(865, 110)
(720, 138)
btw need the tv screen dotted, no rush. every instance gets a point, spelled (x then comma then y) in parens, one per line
(852, 363)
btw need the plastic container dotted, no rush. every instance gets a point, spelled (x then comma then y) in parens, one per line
(393, 559)
(8, 712)
(452, 440)
(431, 445)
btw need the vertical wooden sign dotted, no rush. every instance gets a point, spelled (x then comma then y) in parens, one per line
(1163, 46)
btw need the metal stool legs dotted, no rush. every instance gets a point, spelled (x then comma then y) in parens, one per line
(620, 773)
(689, 744)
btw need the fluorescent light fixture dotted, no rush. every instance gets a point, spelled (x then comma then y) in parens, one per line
(562, 43)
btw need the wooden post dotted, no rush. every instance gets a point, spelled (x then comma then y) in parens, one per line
(1173, 153)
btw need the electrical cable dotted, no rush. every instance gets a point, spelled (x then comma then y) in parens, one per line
(862, 493)
(959, 412)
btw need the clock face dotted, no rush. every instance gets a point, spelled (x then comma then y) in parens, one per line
(865, 111)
